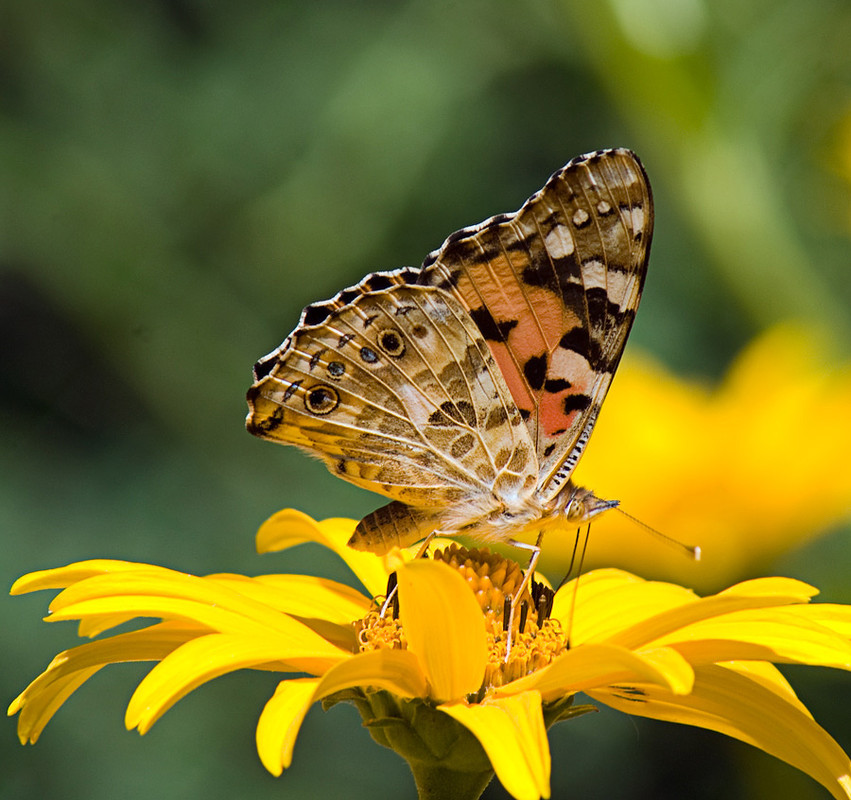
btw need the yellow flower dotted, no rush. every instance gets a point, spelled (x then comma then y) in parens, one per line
(747, 470)
(433, 683)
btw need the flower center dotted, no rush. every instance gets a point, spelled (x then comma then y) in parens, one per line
(536, 640)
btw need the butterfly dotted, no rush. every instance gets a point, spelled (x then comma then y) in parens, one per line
(466, 390)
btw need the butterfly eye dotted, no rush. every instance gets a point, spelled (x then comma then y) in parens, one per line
(321, 400)
(391, 342)
(575, 510)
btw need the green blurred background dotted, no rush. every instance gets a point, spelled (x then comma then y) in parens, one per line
(179, 178)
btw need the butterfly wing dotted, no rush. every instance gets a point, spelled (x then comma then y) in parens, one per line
(397, 392)
(553, 289)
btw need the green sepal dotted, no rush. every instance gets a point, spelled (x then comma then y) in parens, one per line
(446, 760)
(563, 709)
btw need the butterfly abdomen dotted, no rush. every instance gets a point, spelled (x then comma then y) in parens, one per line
(393, 525)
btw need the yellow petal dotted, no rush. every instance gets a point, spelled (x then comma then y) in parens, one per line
(835, 617)
(771, 634)
(301, 595)
(601, 580)
(217, 619)
(728, 701)
(771, 678)
(61, 577)
(37, 708)
(599, 605)
(281, 720)
(70, 669)
(95, 624)
(173, 595)
(786, 590)
(594, 665)
(761, 593)
(290, 527)
(512, 733)
(208, 657)
(396, 671)
(444, 627)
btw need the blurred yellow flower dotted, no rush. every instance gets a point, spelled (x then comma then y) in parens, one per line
(747, 470)
(434, 682)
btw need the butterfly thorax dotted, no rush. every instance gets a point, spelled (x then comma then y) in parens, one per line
(573, 505)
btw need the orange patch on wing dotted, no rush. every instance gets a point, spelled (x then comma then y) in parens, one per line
(514, 379)
(551, 414)
(541, 332)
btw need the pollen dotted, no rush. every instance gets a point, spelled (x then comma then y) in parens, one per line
(532, 648)
(535, 638)
(491, 577)
(377, 632)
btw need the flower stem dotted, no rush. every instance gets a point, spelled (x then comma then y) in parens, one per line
(440, 783)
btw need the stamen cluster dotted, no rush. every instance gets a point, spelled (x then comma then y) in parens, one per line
(535, 641)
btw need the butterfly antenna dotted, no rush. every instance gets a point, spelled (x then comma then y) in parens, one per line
(691, 550)
(573, 558)
(583, 551)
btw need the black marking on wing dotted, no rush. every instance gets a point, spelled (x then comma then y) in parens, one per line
(491, 329)
(535, 370)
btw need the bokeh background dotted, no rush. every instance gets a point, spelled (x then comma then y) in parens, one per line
(179, 178)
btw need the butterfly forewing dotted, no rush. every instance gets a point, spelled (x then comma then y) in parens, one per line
(553, 289)
(467, 390)
(397, 392)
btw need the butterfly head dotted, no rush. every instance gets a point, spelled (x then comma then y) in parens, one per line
(581, 505)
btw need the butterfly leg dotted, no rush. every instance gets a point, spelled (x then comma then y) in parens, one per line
(527, 576)
(420, 554)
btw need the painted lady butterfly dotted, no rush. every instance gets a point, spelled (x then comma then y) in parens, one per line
(466, 390)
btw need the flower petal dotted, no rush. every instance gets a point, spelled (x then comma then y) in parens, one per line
(786, 590)
(301, 595)
(38, 706)
(771, 678)
(396, 671)
(70, 669)
(512, 733)
(760, 593)
(173, 595)
(93, 625)
(771, 634)
(602, 603)
(595, 665)
(444, 626)
(833, 616)
(727, 701)
(60, 577)
(281, 720)
(289, 527)
(203, 659)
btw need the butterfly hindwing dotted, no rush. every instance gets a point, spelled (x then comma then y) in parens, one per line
(553, 289)
(397, 392)
(467, 390)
